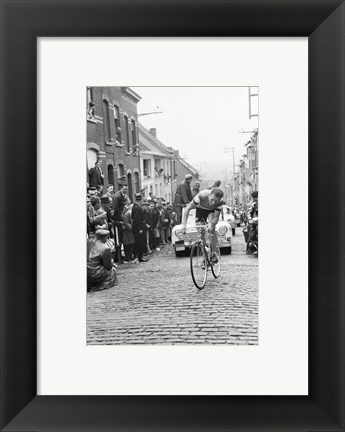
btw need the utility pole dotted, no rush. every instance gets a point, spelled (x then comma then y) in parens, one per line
(231, 150)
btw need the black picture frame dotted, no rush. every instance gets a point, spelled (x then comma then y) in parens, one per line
(21, 23)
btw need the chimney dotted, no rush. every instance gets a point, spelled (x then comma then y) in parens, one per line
(153, 131)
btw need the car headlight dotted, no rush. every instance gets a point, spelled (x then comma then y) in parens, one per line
(179, 233)
(222, 230)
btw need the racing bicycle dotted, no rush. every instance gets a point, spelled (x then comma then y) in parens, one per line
(203, 259)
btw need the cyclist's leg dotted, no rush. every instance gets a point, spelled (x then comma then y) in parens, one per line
(212, 234)
(213, 237)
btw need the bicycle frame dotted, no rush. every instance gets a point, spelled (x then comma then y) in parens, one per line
(202, 245)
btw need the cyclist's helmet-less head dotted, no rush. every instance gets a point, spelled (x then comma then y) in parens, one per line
(215, 196)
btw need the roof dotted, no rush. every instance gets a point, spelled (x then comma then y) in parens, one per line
(188, 166)
(151, 145)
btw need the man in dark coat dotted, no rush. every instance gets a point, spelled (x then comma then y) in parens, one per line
(154, 220)
(119, 202)
(183, 196)
(139, 228)
(96, 178)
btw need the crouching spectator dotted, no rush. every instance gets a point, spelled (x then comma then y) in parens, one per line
(101, 270)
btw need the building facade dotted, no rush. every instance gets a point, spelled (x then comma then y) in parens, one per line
(162, 168)
(113, 136)
(156, 164)
(180, 169)
(246, 180)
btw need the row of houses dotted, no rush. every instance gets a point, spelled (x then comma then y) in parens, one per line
(128, 152)
(246, 178)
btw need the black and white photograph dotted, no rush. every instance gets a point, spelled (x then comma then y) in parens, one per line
(172, 215)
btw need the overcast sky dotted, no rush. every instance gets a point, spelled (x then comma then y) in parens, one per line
(200, 121)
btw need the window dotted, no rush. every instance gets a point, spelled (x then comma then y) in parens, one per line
(120, 171)
(89, 94)
(117, 123)
(147, 168)
(136, 182)
(106, 121)
(127, 134)
(134, 134)
(90, 104)
(110, 170)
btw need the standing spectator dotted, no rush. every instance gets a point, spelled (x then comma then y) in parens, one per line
(147, 218)
(105, 207)
(119, 202)
(195, 189)
(158, 230)
(172, 218)
(165, 223)
(183, 196)
(139, 228)
(128, 236)
(143, 192)
(96, 177)
(110, 194)
(154, 233)
(145, 207)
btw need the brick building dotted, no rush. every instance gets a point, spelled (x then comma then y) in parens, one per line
(112, 135)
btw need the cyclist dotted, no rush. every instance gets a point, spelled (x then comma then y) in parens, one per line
(208, 204)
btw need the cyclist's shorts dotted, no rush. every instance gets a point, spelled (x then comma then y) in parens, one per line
(201, 215)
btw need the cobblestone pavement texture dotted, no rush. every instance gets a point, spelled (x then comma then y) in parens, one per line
(157, 303)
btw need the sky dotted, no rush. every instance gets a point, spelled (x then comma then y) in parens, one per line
(201, 122)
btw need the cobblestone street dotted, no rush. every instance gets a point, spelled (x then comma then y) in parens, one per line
(157, 303)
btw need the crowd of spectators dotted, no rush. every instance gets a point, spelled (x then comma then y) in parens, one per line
(125, 231)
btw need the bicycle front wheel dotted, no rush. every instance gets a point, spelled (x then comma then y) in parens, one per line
(198, 265)
(216, 262)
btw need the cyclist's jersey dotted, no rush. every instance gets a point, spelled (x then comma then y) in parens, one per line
(203, 207)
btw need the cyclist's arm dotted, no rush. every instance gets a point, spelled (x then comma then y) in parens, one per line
(189, 207)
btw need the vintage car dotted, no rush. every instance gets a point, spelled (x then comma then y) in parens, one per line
(182, 243)
(229, 217)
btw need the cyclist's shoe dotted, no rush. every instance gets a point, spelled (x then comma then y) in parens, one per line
(214, 259)
(203, 265)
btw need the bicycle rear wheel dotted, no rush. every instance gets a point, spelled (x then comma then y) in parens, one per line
(198, 265)
(215, 266)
